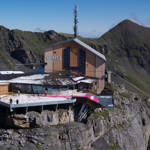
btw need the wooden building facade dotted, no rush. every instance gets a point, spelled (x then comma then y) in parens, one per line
(76, 56)
(4, 88)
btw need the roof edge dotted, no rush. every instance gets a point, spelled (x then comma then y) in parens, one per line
(57, 43)
(89, 48)
(76, 40)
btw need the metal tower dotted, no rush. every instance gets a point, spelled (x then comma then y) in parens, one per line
(75, 21)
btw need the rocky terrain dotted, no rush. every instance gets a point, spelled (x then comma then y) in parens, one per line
(125, 127)
(23, 47)
(34, 118)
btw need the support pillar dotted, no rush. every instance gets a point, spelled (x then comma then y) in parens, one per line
(69, 112)
(56, 107)
(26, 109)
(42, 108)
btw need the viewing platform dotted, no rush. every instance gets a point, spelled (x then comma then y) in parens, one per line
(26, 100)
(33, 100)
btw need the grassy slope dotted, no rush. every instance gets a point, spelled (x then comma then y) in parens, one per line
(32, 43)
(37, 41)
(127, 48)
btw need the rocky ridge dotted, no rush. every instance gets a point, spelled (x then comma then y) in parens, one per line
(125, 127)
(24, 47)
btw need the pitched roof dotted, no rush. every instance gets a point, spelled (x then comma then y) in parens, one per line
(76, 40)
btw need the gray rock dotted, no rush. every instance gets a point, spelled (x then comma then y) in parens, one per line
(125, 127)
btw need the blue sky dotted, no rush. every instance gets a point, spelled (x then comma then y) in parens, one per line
(95, 16)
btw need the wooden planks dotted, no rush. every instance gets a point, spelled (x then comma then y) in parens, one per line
(90, 64)
(4, 89)
(74, 57)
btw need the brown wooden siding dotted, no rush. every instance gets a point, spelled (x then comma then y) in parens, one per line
(74, 57)
(100, 73)
(90, 64)
(57, 62)
(100, 67)
(58, 50)
(95, 66)
(3, 89)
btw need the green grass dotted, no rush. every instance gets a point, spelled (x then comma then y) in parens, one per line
(127, 49)
(120, 125)
(10, 148)
(115, 88)
(103, 113)
(34, 41)
(118, 106)
(141, 81)
(125, 95)
(113, 146)
(10, 64)
(39, 147)
(7, 59)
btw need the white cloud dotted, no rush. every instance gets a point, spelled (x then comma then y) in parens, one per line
(38, 29)
(135, 19)
(92, 33)
(147, 22)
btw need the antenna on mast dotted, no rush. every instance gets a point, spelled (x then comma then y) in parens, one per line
(75, 21)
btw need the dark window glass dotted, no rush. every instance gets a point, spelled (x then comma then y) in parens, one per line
(67, 58)
(82, 61)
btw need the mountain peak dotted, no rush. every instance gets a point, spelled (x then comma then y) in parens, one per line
(127, 21)
(130, 28)
(3, 28)
(131, 24)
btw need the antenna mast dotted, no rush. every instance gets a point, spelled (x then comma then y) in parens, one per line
(75, 21)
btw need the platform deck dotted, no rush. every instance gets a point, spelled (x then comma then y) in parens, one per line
(25, 100)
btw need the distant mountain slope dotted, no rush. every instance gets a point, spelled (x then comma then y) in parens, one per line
(127, 48)
(24, 47)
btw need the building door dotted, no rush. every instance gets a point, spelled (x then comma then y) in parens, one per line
(82, 61)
